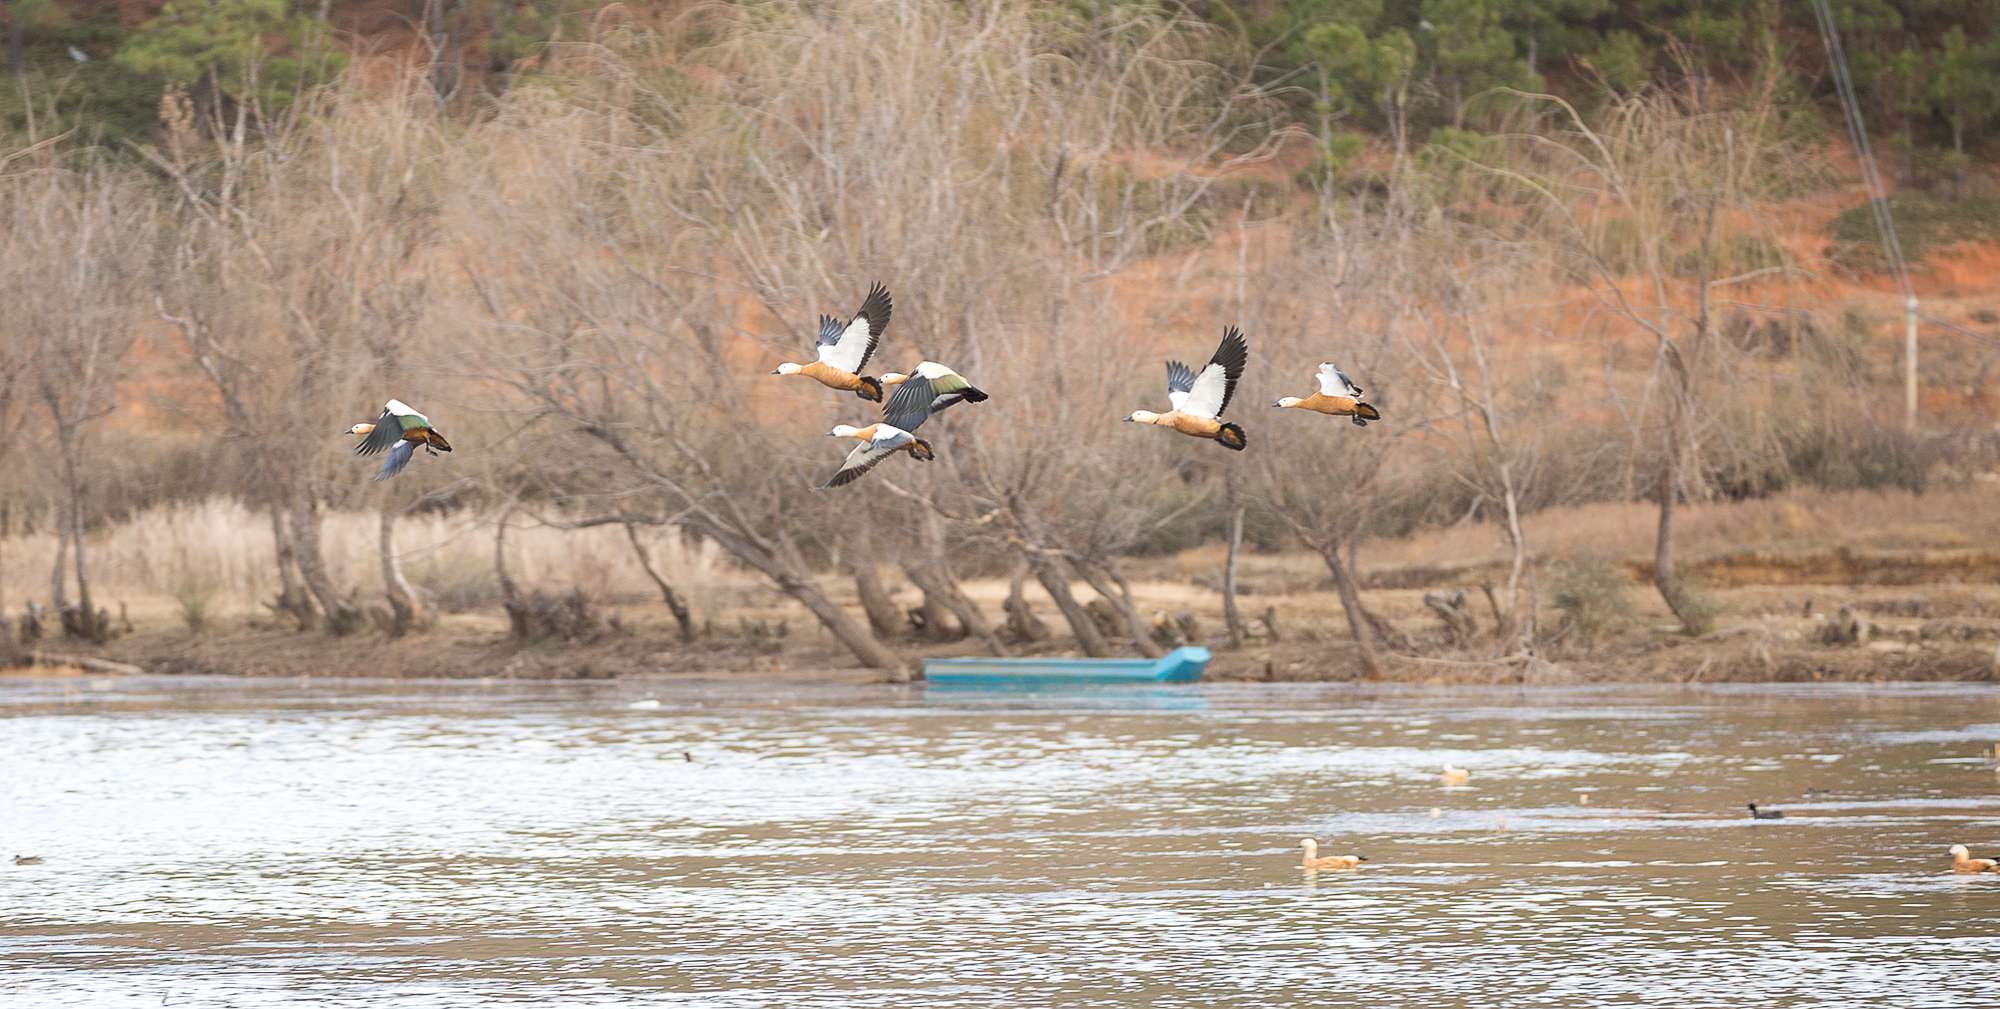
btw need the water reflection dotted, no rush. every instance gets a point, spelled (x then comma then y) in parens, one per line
(214, 843)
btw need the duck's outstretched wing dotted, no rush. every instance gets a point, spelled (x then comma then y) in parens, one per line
(915, 419)
(388, 431)
(849, 347)
(922, 395)
(399, 457)
(1180, 381)
(858, 462)
(1334, 382)
(1212, 389)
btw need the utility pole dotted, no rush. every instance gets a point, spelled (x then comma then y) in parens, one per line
(1910, 364)
(15, 64)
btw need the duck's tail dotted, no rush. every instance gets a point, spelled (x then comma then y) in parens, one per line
(870, 389)
(1363, 413)
(921, 451)
(972, 395)
(1231, 436)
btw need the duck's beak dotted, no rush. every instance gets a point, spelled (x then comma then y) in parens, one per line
(777, 371)
(1127, 420)
(1277, 404)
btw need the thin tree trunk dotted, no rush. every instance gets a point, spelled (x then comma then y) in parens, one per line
(940, 586)
(1054, 576)
(937, 609)
(95, 630)
(15, 63)
(1512, 623)
(11, 655)
(1357, 615)
(1021, 619)
(674, 602)
(883, 616)
(58, 578)
(403, 604)
(1112, 587)
(864, 645)
(937, 616)
(1665, 578)
(519, 626)
(292, 597)
(1230, 613)
(341, 616)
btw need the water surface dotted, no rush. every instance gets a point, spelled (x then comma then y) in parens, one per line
(286, 843)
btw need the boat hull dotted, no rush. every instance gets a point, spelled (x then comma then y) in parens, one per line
(1182, 665)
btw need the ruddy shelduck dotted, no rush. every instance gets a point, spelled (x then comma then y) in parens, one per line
(1454, 775)
(928, 390)
(1200, 399)
(1338, 396)
(844, 348)
(878, 442)
(1314, 860)
(1962, 861)
(400, 430)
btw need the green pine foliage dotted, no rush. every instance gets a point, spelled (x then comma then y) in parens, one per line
(1393, 71)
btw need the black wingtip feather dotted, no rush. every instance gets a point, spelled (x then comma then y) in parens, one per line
(877, 307)
(1232, 354)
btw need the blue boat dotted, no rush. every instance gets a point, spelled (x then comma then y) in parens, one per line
(1182, 665)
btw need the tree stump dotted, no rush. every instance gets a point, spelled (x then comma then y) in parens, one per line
(1454, 610)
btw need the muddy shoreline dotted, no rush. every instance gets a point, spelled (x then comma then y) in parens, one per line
(1745, 653)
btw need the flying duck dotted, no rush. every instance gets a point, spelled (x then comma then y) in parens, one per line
(1198, 400)
(934, 388)
(844, 348)
(400, 430)
(878, 442)
(1314, 860)
(1962, 861)
(1337, 396)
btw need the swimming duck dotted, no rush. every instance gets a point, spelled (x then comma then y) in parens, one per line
(1338, 396)
(844, 348)
(936, 388)
(1199, 400)
(37, 859)
(1454, 775)
(1962, 861)
(1769, 814)
(400, 430)
(879, 442)
(1316, 861)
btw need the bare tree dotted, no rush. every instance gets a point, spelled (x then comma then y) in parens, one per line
(83, 239)
(296, 275)
(1631, 208)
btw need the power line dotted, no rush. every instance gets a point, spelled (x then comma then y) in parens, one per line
(1878, 199)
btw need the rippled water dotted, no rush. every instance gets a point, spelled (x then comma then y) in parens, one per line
(239, 843)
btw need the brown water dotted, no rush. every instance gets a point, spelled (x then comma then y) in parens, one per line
(276, 843)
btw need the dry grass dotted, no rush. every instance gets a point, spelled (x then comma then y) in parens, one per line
(226, 549)
(1795, 521)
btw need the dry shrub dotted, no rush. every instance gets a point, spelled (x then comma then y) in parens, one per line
(457, 582)
(1593, 591)
(570, 615)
